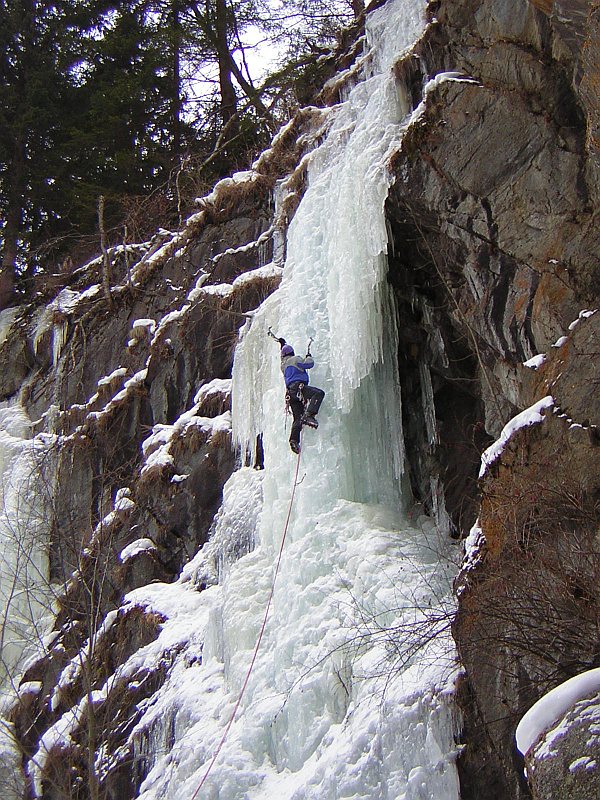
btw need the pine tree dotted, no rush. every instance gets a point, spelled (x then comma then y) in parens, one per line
(93, 102)
(29, 91)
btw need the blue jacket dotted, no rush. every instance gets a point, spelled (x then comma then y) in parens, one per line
(294, 368)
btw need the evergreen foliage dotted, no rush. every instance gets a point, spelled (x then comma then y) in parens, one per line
(114, 98)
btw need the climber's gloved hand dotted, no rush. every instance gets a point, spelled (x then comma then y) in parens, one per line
(281, 341)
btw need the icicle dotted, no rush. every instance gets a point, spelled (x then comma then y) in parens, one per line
(436, 338)
(428, 403)
(59, 337)
(438, 502)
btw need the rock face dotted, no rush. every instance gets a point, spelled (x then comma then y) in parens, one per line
(494, 241)
(494, 215)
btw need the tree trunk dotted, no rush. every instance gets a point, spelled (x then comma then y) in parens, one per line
(358, 7)
(228, 97)
(105, 253)
(176, 100)
(13, 222)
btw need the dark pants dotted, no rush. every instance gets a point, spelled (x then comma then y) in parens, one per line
(302, 399)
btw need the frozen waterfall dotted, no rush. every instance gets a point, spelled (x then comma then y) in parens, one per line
(25, 599)
(26, 602)
(351, 693)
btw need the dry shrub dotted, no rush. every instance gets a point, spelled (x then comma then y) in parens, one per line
(142, 215)
(215, 404)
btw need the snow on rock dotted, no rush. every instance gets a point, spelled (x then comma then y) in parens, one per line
(128, 387)
(141, 329)
(535, 362)
(433, 83)
(585, 762)
(443, 77)
(156, 448)
(58, 736)
(120, 372)
(262, 239)
(550, 708)
(30, 687)
(157, 253)
(73, 669)
(223, 290)
(530, 416)
(123, 501)
(218, 386)
(270, 270)
(142, 545)
(473, 553)
(248, 176)
(582, 315)
(215, 289)
(563, 760)
(67, 300)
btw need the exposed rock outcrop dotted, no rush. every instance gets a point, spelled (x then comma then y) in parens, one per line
(494, 215)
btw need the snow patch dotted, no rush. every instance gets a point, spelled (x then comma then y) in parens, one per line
(530, 416)
(142, 545)
(585, 762)
(585, 314)
(553, 706)
(473, 545)
(143, 327)
(218, 386)
(120, 372)
(156, 448)
(535, 362)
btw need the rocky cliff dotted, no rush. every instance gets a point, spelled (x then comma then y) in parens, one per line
(494, 215)
(493, 258)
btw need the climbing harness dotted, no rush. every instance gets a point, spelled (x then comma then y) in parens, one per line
(298, 391)
(260, 635)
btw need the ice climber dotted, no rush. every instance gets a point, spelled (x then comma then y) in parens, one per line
(304, 400)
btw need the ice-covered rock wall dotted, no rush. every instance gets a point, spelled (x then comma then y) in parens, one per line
(350, 694)
(25, 597)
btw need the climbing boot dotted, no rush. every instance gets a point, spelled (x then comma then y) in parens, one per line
(310, 420)
(295, 447)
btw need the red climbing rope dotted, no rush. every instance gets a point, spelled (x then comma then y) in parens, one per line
(258, 641)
